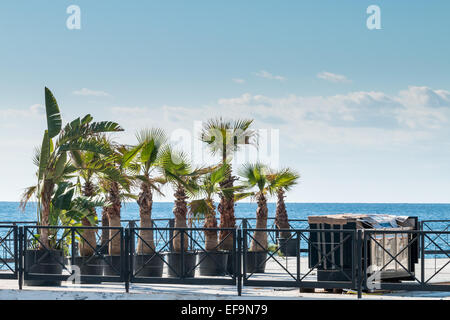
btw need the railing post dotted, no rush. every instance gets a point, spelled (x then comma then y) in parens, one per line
(171, 226)
(131, 251)
(20, 257)
(182, 254)
(244, 252)
(359, 247)
(297, 235)
(72, 259)
(422, 257)
(126, 256)
(238, 266)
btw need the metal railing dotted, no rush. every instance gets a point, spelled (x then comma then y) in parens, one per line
(299, 270)
(394, 262)
(435, 225)
(187, 262)
(9, 257)
(360, 260)
(62, 260)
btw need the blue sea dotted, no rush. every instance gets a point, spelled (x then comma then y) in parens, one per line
(9, 211)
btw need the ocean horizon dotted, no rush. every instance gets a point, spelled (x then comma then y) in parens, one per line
(9, 210)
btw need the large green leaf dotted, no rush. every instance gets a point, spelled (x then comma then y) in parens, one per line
(62, 198)
(45, 155)
(54, 121)
(91, 145)
(83, 128)
(60, 165)
(149, 153)
(130, 155)
(219, 175)
(105, 126)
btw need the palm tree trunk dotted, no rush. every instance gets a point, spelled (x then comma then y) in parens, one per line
(89, 241)
(259, 243)
(46, 198)
(114, 219)
(180, 212)
(211, 239)
(105, 223)
(281, 217)
(227, 217)
(145, 244)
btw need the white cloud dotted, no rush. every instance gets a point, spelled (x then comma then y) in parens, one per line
(332, 77)
(34, 110)
(362, 119)
(425, 97)
(240, 81)
(89, 92)
(268, 75)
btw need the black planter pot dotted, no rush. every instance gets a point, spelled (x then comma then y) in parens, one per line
(112, 266)
(90, 266)
(47, 262)
(288, 247)
(174, 261)
(148, 265)
(255, 262)
(213, 263)
(231, 263)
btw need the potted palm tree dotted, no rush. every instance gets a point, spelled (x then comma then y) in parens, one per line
(90, 165)
(145, 159)
(256, 176)
(54, 169)
(225, 138)
(212, 261)
(117, 188)
(176, 169)
(282, 181)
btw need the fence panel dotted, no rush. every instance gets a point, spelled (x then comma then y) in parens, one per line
(387, 265)
(328, 263)
(182, 256)
(9, 252)
(78, 254)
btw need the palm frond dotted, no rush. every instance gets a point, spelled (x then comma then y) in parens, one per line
(283, 179)
(91, 144)
(26, 196)
(255, 175)
(227, 136)
(54, 121)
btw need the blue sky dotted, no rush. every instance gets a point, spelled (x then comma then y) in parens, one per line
(362, 114)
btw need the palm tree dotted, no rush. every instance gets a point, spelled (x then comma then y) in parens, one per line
(90, 165)
(53, 162)
(86, 162)
(116, 188)
(225, 137)
(145, 158)
(282, 181)
(176, 169)
(208, 186)
(257, 176)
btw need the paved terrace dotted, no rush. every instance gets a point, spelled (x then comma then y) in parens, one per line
(116, 291)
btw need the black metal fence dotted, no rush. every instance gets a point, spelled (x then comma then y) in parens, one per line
(60, 260)
(390, 251)
(360, 260)
(269, 267)
(181, 257)
(9, 257)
